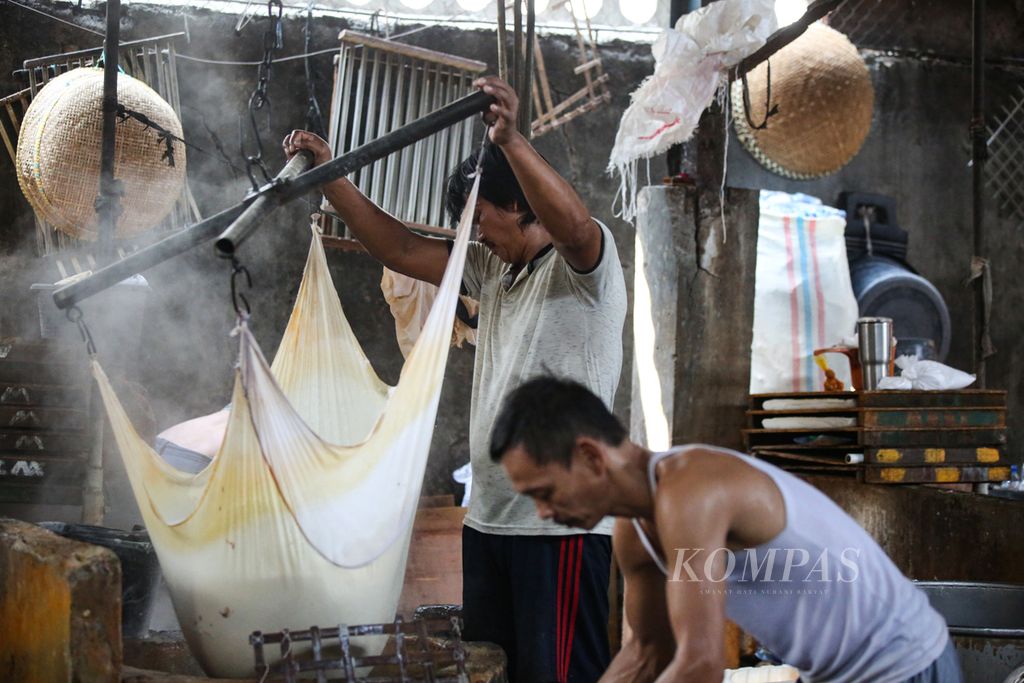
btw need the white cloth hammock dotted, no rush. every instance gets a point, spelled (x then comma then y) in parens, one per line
(304, 516)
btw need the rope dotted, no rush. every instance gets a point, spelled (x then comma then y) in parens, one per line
(769, 109)
(291, 58)
(165, 136)
(56, 18)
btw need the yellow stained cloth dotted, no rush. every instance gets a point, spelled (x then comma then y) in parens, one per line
(304, 516)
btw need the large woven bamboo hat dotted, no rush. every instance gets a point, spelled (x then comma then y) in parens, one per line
(825, 101)
(58, 156)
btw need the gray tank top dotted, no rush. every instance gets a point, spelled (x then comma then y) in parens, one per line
(821, 595)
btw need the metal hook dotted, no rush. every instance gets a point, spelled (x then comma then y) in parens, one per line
(76, 316)
(770, 110)
(244, 19)
(243, 311)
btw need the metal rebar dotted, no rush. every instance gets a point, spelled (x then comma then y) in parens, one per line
(403, 208)
(429, 193)
(391, 201)
(517, 44)
(441, 164)
(370, 129)
(379, 168)
(502, 43)
(356, 136)
(979, 152)
(418, 151)
(526, 89)
(107, 204)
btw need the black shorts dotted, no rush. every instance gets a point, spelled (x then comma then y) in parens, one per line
(543, 599)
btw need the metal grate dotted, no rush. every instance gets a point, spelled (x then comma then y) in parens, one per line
(381, 85)
(425, 651)
(877, 24)
(1005, 166)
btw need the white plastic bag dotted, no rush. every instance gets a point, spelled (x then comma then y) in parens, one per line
(803, 299)
(689, 62)
(927, 375)
(464, 476)
(895, 384)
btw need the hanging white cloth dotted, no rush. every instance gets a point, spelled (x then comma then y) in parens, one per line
(304, 516)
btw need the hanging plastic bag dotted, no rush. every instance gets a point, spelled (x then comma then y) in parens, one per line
(803, 299)
(926, 375)
(689, 63)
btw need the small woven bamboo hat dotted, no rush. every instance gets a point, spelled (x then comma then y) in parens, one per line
(825, 101)
(58, 156)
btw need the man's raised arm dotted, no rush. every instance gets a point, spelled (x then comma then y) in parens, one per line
(554, 201)
(384, 236)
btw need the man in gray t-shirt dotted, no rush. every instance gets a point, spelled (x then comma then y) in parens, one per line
(552, 301)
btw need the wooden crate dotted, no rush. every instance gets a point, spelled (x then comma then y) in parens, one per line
(928, 436)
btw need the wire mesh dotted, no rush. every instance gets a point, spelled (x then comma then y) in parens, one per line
(1005, 166)
(876, 24)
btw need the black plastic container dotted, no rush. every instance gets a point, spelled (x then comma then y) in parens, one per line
(140, 570)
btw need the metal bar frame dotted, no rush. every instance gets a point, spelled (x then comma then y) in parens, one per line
(279, 193)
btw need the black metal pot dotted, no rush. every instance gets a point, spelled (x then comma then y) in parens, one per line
(888, 288)
(140, 570)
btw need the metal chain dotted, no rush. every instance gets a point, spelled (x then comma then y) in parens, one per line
(238, 300)
(75, 315)
(272, 40)
(314, 119)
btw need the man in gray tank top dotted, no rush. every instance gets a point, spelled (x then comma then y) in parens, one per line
(705, 533)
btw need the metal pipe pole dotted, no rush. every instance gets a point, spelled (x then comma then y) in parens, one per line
(277, 193)
(525, 90)
(153, 255)
(979, 152)
(108, 203)
(247, 223)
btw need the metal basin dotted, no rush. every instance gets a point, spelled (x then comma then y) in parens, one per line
(986, 621)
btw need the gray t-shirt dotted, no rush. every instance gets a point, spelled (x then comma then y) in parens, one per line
(551, 320)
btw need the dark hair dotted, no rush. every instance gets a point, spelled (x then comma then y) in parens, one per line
(498, 185)
(546, 415)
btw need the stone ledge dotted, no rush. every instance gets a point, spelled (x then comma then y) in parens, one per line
(60, 608)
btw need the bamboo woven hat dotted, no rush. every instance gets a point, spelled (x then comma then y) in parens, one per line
(58, 156)
(825, 102)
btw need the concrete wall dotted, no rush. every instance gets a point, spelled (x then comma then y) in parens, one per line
(187, 356)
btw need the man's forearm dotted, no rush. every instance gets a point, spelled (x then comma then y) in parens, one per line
(551, 197)
(383, 235)
(633, 664)
(695, 670)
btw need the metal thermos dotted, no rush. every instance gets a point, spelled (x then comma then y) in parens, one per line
(875, 350)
